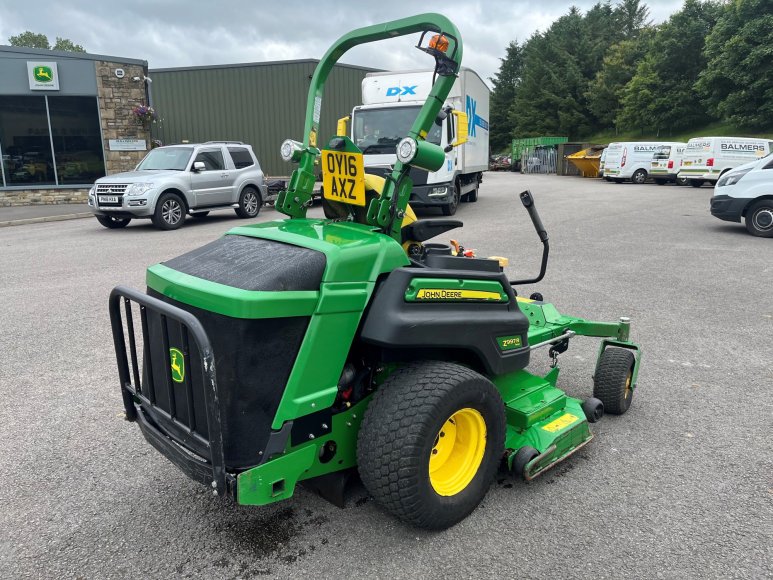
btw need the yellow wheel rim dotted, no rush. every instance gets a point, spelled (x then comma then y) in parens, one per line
(628, 385)
(457, 452)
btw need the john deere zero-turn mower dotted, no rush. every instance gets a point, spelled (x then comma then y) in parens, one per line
(304, 350)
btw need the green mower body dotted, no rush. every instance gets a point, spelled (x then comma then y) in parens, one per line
(302, 350)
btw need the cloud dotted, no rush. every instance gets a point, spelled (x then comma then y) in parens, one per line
(175, 33)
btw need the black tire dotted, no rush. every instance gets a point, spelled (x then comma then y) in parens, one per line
(200, 215)
(113, 223)
(453, 205)
(170, 212)
(759, 219)
(696, 182)
(249, 203)
(639, 176)
(402, 431)
(682, 181)
(660, 181)
(612, 381)
(521, 460)
(593, 409)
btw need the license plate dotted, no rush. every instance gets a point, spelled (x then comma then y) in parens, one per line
(343, 177)
(108, 199)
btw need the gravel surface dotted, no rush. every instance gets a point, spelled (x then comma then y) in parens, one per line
(679, 487)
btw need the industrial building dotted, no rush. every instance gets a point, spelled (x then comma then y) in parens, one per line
(258, 103)
(67, 118)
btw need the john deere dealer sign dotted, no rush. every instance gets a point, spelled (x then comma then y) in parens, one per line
(43, 76)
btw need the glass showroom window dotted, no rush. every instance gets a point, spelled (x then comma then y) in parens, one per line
(25, 142)
(66, 151)
(77, 140)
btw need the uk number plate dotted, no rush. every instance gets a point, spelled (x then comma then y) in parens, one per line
(108, 199)
(343, 177)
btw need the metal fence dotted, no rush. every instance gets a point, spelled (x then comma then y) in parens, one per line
(539, 160)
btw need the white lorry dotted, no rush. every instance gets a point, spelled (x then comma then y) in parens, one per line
(706, 159)
(390, 103)
(631, 160)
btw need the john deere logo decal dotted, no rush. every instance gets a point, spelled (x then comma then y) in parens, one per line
(44, 74)
(177, 364)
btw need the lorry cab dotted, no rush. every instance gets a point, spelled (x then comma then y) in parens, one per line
(666, 162)
(390, 103)
(631, 160)
(706, 159)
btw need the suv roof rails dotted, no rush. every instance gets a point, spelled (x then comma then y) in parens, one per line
(226, 142)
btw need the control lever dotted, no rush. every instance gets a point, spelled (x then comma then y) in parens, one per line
(528, 202)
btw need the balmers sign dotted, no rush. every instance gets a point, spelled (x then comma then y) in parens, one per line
(43, 76)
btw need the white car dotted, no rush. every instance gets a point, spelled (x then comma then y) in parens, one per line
(746, 193)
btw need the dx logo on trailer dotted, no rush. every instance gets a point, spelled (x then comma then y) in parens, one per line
(401, 91)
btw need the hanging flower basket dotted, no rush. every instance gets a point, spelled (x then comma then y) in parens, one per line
(144, 115)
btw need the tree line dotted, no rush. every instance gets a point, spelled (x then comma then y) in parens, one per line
(611, 69)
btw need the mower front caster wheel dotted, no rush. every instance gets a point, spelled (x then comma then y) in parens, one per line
(431, 442)
(522, 458)
(612, 381)
(593, 409)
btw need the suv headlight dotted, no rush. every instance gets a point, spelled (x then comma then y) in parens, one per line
(731, 178)
(92, 190)
(139, 188)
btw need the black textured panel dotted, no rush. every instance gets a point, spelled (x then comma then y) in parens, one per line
(253, 360)
(253, 264)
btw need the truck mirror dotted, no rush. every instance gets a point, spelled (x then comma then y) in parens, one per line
(461, 128)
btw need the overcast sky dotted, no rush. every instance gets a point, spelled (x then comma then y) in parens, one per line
(172, 33)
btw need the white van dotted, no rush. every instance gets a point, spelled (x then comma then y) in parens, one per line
(746, 192)
(666, 162)
(707, 158)
(602, 160)
(631, 160)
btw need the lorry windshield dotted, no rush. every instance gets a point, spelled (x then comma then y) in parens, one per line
(175, 158)
(380, 130)
(662, 152)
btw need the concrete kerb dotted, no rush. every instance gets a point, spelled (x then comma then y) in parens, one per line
(43, 219)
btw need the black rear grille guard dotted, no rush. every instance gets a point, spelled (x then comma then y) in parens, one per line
(131, 387)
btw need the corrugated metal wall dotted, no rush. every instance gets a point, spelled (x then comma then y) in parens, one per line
(261, 104)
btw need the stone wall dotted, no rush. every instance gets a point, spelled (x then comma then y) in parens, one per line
(43, 196)
(117, 98)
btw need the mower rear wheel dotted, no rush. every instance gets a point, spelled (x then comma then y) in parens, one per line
(431, 442)
(612, 381)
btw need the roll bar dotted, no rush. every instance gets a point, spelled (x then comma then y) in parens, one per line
(386, 211)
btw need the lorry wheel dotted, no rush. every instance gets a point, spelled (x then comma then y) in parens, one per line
(113, 223)
(170, 212)
(681, 181)
(249, 203)
(759, 219)
(696, 182)
(639, 176)
(431, 442)
(612, 381)
(450, 209)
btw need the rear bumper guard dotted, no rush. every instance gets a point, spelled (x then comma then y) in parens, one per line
(139, 400)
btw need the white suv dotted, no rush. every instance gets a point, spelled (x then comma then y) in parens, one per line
(176, 180)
